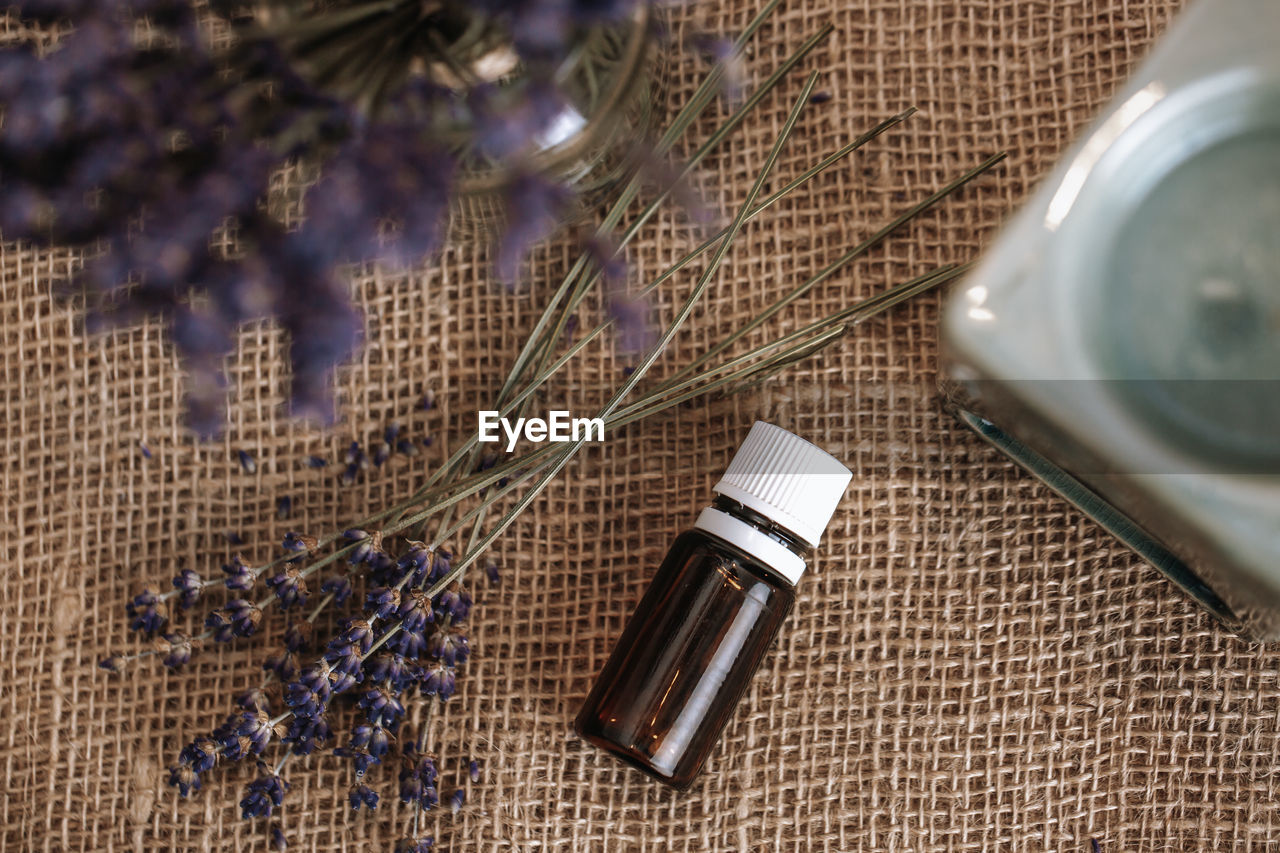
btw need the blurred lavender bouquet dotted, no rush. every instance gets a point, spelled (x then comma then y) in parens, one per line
(150, 133)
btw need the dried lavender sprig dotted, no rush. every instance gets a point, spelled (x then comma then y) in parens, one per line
(254, 730)
(697, 103)
(516, 481)
(260, 605)
(587, 274)
(578, 345)
(549, 370)
(864, 308)
(647, 361)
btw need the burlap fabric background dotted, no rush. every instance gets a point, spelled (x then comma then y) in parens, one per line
(971, 665)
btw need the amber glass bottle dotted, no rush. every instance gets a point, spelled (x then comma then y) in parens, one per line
(713, 609)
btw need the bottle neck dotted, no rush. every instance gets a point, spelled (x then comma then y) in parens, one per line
(761, 537)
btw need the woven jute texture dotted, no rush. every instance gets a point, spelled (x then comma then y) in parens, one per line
(971, 665)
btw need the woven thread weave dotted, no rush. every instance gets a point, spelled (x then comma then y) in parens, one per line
(971, 664)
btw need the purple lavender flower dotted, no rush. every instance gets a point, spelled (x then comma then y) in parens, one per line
(415, 612)
(295, 542)
(254, 698)
(306, 734)
(367, 746)
(316, 462)
(409, 644)
(454, 604)
(308, 695)
(346, 667)
(418, 780)
(370, 176)
(357, 633)
(100, 171)
(263, 796)
(492, 572)
(416, 562)
(441, 681)
(240, 576)
(474, 770)
(219, 627)
(189, 586)
(363, 551)
(278, 839)
(247, 462)
(339, 586)
(146, 612)
(201, 754)
(236, 618)
(175, 650)
(414, 845)
(449, 646)
(360, 759)
(382, 707)
(283, 663)
(284, 507)
(289, 586)
(381, 602)
(298, 636)
(356, 461)
(441, 563)
(536, 205)
(256, 726)
(362, 795)
(184, 778)
(244, 615)
(455, 802)
(394, 670)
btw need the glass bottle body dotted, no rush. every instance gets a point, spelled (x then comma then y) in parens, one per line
(685, 658)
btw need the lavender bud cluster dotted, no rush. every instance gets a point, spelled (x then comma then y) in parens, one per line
(145, 145)
(403, 645)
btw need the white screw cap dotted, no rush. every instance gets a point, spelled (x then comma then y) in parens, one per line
(786, 479)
